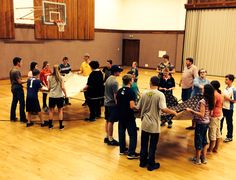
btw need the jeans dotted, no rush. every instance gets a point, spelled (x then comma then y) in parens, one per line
(18, 95)
(145, 156)
(130, 125)
(228, 114)
(186, 94)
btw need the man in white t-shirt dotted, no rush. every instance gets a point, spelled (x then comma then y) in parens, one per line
(228, 106)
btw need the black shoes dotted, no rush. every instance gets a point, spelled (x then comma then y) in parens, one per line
(45, 123)
(113, 142)
(133, 156)
(61, 127)
(106, 140)
(28, 124)
(153, 167)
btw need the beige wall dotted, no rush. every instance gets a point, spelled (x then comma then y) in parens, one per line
(105, 46)
(151, 44)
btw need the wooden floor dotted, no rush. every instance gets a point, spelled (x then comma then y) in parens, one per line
(78, 152)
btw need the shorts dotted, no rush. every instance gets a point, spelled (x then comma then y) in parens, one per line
(214, 128)
(111, 113)
(32, 105)
(56, 101)
(200, 139)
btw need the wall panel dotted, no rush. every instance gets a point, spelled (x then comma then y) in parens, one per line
(6, 19)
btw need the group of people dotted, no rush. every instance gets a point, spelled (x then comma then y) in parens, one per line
(102, 88)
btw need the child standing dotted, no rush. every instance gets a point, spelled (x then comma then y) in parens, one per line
(216, 116)
(44, 74)
(32, 102)
(126, 103)
(228, 107)
(56, 96)
(202, 119)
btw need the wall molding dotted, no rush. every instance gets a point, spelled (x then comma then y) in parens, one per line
(31, 26)
(216, 4)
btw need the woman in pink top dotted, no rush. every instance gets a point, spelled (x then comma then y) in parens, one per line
(202, 119)
(214, 126)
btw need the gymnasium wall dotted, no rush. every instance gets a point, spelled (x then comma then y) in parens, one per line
(105, 46)
(153, 42)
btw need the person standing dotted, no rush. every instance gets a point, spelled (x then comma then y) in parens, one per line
(56, 97)
(202, 119)
(85, 70)
(167, 85)
(111, 110)
(190, 72)
(44, 74)
(126, 104)
(229, 95)
(198, 85)
(95, 91)
(151, 103)
(17, 90)
(32, 102)
(165, 64)
(216, 116)
(134, 68)
(65, 69)
(107, 69)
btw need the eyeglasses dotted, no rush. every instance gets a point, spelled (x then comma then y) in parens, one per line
(202, 72)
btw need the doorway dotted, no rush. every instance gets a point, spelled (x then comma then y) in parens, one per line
(130, 51)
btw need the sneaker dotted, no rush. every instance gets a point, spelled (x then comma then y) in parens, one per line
(133, 156)
(14, 120)
(45, 109)
(155, 166)
(61, 127)
(169, 126)
(204, 161)
(113, 142)
(28, 124)
(106, 140)
(228, 140)
(125, 152)
(50, 126)
(45, 123)
(190, 128)
(197, 162)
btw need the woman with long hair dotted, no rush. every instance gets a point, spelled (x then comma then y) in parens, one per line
(44, 74)
(202, 119)
(216, 116)
(56, 97)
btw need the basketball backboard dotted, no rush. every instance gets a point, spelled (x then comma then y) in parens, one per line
(53, 12)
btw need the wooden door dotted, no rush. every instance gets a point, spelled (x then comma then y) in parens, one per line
(130, 51)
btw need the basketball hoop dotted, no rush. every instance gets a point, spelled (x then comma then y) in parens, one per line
(60, 25)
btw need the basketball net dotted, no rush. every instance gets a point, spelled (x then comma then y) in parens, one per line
(60, 25)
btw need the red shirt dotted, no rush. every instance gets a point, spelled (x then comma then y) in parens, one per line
(44, 75)
(217, 111)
